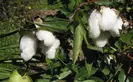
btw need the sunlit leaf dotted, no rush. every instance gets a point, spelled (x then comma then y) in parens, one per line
(55, 26)
(78, 38)
(64, 74)
(96, 79)
(90, 69)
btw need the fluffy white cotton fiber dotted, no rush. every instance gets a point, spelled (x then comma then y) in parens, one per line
(28, 45)
(49, 43)
(118, 26)
(108, 19)
(102, 40)
(50, 51)
(94, 30)
(46, 36)
(103, 24)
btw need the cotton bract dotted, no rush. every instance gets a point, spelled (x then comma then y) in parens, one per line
(28, 45)
(103, 24)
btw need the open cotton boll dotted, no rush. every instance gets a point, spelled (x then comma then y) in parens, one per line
(28, 46)
(102, 40)
(108, 19)
(46, 36)
(118, 26)
(94, 29)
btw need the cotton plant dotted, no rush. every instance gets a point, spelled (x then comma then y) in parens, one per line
(103, 24)
(29, 43)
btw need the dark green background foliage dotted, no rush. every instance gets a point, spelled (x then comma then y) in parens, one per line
(77, 59)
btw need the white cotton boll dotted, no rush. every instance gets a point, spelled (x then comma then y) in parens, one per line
(28, 46)
(46, 36)
(118, 26)
(102, 40)
(108, 19)
(94, 30)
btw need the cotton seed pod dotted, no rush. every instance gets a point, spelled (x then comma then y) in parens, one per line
(94, 29)
(46, 36)
(102, 40)
(108, 19)
(28, 46)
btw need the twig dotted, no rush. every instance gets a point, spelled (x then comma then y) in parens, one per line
(129, 70)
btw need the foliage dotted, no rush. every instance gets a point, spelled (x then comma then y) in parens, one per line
(77, 59)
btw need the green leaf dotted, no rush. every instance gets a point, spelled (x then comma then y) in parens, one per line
(4, 75)
(89, 81)
(121, 76)
(95, 48)
(96, 79)
(78, 38)
(43, 80)
(91, 70)
(55, 26)
(118, 44)
(9, 46)
(64, 74)
(106, 71)
(82, 74)
(126, 38)
(103, 2)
